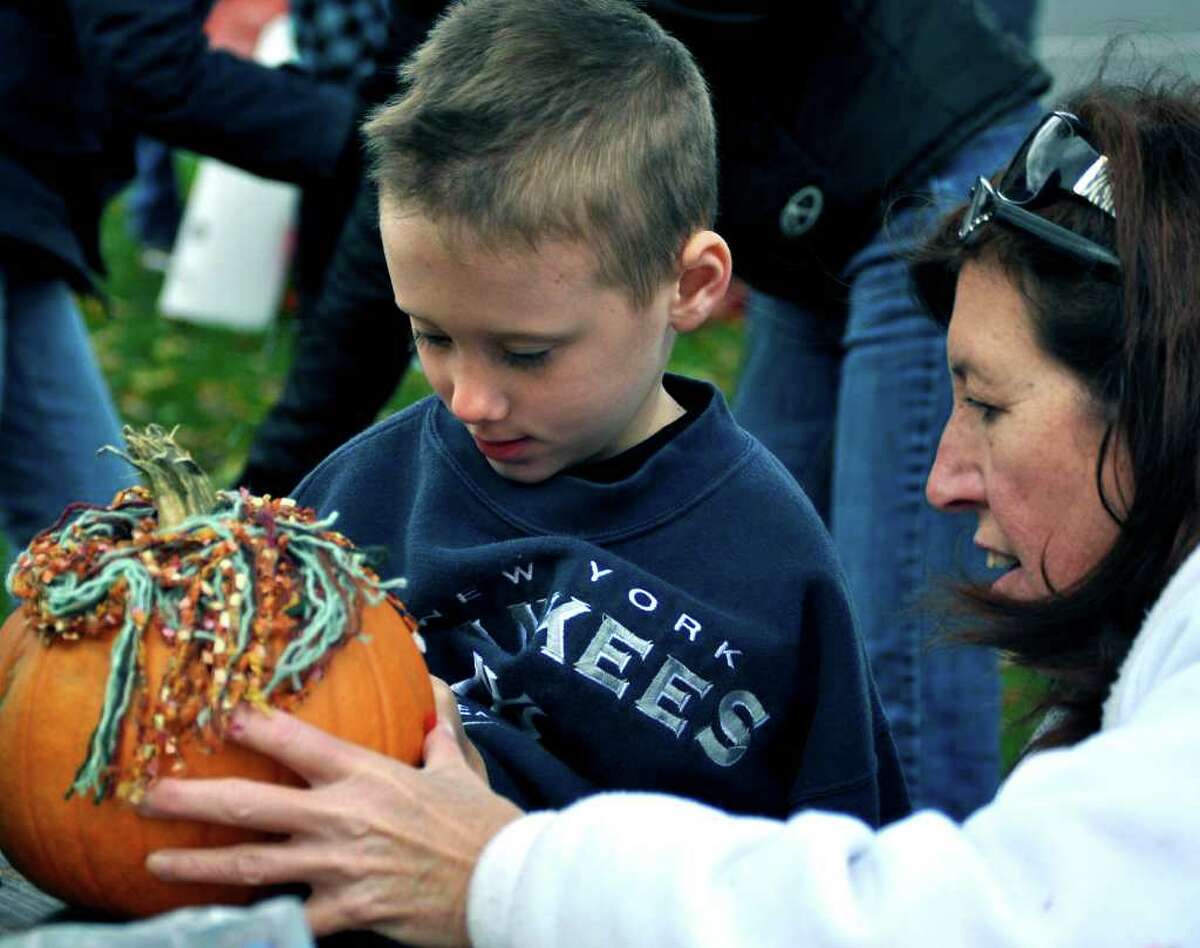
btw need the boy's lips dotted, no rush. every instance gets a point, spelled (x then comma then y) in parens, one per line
(505, 450)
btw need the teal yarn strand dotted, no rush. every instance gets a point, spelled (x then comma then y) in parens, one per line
(205, 552)
(122, 677)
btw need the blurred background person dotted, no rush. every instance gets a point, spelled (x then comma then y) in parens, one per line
(349, 43)
(155, 207)
(81, 80)
(1016, 17)
(844, 376)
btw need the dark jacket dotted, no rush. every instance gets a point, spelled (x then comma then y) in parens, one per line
(81, 77)
(845, 105)
(745, 686)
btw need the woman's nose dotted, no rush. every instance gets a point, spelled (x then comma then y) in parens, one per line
(955, 481)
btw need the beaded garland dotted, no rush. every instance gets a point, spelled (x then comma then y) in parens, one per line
(251, 598)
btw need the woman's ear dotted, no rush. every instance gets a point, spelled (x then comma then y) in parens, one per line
(705, 269)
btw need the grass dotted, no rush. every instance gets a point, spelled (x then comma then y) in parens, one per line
(217, 384)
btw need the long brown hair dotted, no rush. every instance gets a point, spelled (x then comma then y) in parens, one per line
(1134, 342)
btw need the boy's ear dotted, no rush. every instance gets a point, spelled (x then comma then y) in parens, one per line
(705, 269)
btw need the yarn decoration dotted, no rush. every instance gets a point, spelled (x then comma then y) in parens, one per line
(144, 624)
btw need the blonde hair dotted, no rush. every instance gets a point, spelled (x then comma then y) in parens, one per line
(554, 119)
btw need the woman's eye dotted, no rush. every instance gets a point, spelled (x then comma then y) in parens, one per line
(986, 412)
(527, 360)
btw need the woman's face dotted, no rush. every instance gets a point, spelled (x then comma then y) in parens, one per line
(1021, 445)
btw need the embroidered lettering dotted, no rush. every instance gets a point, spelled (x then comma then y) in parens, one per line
(727, 653)
(597, 572)
(518, 574)
(524, 621)
(643, 600)
(687, 624)
(553, 622)
(603, 648)
(467, 595)
(467, 711)
(483, 676)
(664, 689)
(733, 728)
(522, 705)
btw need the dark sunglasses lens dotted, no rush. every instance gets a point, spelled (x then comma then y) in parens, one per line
(1037, 161)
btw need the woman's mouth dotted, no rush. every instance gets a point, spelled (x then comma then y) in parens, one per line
(1001, 561)
(1009, 582)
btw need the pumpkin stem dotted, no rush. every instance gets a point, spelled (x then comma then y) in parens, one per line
(178, 485)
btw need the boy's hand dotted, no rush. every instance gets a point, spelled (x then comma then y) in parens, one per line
(383, 845)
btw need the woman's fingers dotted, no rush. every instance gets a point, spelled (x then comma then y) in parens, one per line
(268, 807)
(450, 735)
(445, 701)
(381, 844)
(315, 755)
(249, 864)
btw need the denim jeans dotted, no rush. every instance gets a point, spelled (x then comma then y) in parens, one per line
(55, 410)
(855, 412)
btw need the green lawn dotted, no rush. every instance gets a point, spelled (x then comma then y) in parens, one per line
(217, 384)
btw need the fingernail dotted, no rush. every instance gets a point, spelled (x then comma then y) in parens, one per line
(237, 721)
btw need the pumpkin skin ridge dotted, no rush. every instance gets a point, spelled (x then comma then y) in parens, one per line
(37, 819)
(8, 675)
(36, 837)
(391, 729)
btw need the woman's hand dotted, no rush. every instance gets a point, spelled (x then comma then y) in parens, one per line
(382, 845)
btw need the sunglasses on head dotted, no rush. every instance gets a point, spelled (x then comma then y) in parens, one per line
(1053, 160)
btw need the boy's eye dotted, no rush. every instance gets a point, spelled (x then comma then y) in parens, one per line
(429, 339)
(526, 360)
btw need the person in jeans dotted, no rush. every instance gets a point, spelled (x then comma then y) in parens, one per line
(81, 80)
(844, 375)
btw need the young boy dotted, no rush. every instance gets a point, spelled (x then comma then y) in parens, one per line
(624, 589)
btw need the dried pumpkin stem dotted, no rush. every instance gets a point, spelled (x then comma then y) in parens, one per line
(178, 486)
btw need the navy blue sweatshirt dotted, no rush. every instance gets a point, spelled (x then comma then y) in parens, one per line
(685, 629)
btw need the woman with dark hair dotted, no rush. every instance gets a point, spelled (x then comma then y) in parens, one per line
(1071, 291)
(1113, 311)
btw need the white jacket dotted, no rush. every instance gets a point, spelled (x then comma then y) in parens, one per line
(1091, 846)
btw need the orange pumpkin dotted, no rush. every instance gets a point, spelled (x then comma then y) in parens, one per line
(207, 612)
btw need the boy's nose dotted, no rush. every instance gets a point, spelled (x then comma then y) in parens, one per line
(955, 482)
(476, 399)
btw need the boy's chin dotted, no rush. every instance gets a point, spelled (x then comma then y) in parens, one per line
(523, 473)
